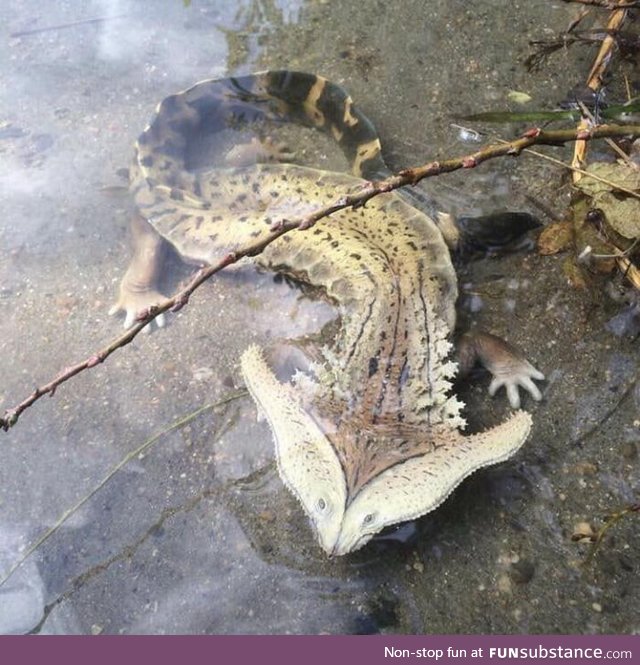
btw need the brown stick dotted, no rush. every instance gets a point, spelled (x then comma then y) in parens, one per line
(596, 76)
(354, 200)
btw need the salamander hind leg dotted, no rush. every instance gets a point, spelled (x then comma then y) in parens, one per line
(507, 364)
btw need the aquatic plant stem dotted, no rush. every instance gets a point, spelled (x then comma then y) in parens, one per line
(611, 520)
(354, 199)
(140, 450)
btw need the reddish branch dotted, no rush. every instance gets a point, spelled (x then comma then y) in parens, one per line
(354, 200)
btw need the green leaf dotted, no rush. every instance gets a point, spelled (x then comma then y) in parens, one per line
(619, 112)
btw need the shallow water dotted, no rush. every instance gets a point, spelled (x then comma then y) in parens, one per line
(198, 535)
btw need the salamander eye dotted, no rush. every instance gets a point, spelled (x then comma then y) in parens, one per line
(368, 519)
(321, 504)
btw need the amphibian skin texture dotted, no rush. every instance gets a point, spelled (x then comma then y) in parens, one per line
(370, 435)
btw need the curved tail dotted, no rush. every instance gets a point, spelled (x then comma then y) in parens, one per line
(297, 97)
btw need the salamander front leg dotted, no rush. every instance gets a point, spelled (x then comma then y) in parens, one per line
(507, 364)
(138, 287)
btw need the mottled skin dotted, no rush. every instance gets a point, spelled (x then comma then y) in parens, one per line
(371, 435)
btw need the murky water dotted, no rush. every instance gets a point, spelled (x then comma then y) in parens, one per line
(197, 534)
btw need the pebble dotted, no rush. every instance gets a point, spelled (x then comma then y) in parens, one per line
(504, 584)
(582, 531)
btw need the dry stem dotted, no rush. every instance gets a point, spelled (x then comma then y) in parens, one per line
(353, 200)
(607, 4)
(596, 75)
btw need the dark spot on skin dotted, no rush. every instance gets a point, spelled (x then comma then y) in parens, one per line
(216, 218)
(147, 161)
(243, 218)
(274, 194)
(241, 198)
(373, 366)
(255, 187)
(357, 257)
(335, 244)
(213, 237)
(177, 195)
(196, 189)
(170, 149)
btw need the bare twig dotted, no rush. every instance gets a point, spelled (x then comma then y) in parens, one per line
(354, 200)
(594, 176)
(617, 18)
(596, 77)
(606, 4)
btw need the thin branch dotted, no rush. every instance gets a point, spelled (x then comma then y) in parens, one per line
(588, 174)
(354, 200)
(606, 4)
